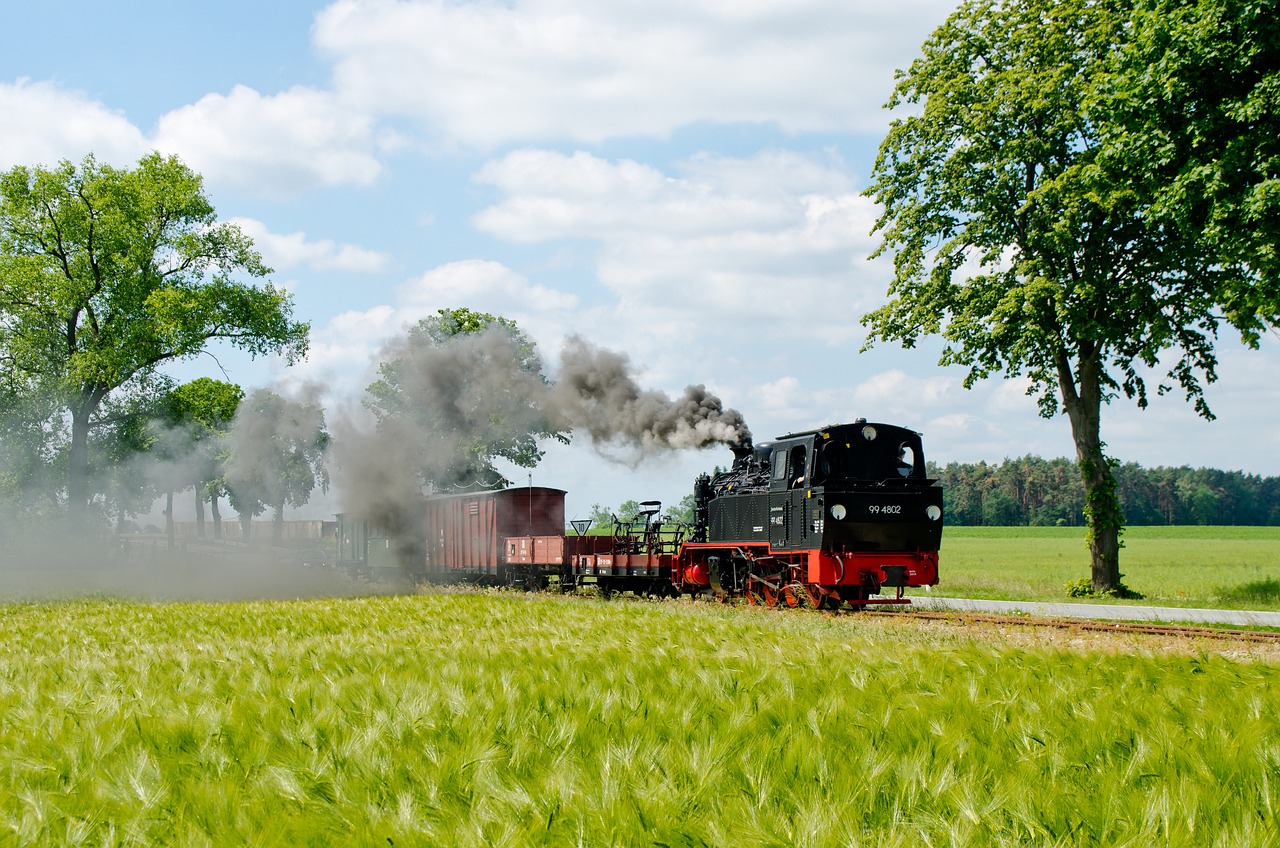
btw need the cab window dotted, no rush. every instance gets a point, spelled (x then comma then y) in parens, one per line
(779, 463)
(796, 473)
(906, 460)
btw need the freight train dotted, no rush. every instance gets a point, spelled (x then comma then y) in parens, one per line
(823, 518)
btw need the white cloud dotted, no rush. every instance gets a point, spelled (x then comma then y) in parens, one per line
(284, 252)
(343, 351)
(44, 123)
(273, 144)
(488, 73)
(544, 313)
(1010, 396)
(276, 145)
(773, 245)
(488, 286)
(780, 396)
(902, 395)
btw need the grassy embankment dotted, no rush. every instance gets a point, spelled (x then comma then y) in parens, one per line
(1230, 567)
(484, 719)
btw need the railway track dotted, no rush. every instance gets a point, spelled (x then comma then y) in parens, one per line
(1189, 631)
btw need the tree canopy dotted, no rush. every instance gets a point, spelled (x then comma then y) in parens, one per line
(463, 388)
(106, 273)
(1044, 229)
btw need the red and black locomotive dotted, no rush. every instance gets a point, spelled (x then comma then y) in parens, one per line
(825, 518)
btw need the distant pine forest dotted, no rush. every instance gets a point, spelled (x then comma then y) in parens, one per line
(1049, 492)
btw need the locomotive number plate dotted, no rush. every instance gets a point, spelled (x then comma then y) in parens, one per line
(886, 509)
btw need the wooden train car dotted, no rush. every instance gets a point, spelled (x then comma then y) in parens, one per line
(471, 536)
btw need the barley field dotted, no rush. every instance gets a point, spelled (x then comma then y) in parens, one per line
(483, 719)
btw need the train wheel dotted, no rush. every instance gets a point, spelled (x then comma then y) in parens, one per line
(793, 595)
(813, 594)
(769, 594)
(819, 598)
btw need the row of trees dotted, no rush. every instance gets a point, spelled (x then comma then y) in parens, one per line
(261, 453)
(107, 275)
(1035, 491)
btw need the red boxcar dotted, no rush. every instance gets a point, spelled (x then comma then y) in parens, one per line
(466, 534)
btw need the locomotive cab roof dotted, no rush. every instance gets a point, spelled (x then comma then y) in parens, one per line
(861, 450)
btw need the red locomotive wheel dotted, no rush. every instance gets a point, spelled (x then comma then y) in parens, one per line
(770, 595)
(819, 599)
(813, 594)
(793, 595)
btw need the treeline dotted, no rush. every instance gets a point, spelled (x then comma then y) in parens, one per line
(1035, 491)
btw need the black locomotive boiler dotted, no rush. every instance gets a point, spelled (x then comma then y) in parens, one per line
(826, 517)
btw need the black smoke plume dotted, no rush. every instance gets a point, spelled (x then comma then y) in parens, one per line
(445, 407)
(595, 392)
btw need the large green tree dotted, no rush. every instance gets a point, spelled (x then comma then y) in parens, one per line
(107, 273)
(1044, 228)
(464, 388)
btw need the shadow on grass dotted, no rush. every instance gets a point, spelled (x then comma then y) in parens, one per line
(1257, 592)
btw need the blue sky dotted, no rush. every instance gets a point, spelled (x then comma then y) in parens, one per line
(679, 181)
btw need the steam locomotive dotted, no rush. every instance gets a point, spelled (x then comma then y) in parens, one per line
(823, 518)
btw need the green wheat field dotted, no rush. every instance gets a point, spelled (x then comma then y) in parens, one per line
(1215, 567)
(502, 719)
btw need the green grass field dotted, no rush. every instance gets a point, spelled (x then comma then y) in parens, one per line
(1230, 567)
(504, 719)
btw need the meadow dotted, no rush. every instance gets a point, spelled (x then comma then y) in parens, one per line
(1225, 567)
(506, 719)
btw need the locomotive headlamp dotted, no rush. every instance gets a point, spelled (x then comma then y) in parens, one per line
(838, 512)
(934, 512)
(869, 433)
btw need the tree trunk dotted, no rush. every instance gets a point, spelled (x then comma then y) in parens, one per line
(199, 510)
(246, 526)
(78, 470)
(277, 524)
(82, 410)
(168, 518)
(1103, 515)
(217, 516)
